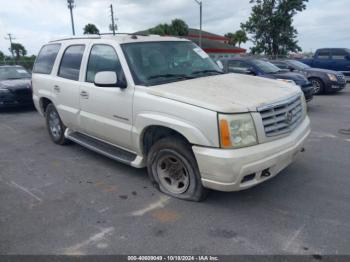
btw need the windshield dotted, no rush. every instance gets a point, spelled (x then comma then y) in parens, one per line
(154, 63)
(298, 65)
(7, 73)
(266, 67)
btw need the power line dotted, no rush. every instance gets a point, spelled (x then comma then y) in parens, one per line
(10, 37)
(71, 5)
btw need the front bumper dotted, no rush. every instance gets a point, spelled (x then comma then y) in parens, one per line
(308, 91)
(228, 169)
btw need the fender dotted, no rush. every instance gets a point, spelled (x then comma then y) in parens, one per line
(146, 119)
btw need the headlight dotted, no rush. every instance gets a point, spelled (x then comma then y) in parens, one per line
(237, 130)
(287, 81)
(332, 77)
(4, 91)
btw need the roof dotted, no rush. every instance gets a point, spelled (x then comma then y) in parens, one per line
(194, 33)
(211, 46)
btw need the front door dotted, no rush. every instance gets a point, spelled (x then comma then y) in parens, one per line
(106, 112)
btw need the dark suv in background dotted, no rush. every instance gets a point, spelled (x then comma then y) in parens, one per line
(323, 80)
(258, 67)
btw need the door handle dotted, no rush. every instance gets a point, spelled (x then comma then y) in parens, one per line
(57, 89)
(84, 94)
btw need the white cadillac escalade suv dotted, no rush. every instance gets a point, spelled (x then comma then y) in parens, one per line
(162, 103)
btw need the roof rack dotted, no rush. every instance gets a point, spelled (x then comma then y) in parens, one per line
(99, 36)
(77, 38)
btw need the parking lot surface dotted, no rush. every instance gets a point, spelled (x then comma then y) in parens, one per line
(69, 200)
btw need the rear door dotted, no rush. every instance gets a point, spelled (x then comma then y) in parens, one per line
(66, 85)
(106, 112)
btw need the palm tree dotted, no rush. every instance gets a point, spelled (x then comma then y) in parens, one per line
(240, 37)
(18, 49)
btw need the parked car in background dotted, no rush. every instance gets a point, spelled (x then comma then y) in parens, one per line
(323, 80)
(262, 68)
(15, 86)
(162, 103)
(337, 59)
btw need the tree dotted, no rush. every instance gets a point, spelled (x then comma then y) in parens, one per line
(231, 38)
(2, 56)
(18, 49)
(177, 27)
(91, 29)
(270, 25)
(240, 37)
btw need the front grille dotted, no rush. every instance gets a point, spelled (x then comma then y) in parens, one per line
(23, 94)
(341, 78)
(282, 117)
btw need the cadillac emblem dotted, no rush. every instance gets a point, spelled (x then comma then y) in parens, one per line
(289, 117)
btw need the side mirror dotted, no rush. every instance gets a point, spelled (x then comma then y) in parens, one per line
(220, 65)
(290, 68)
(107, 79)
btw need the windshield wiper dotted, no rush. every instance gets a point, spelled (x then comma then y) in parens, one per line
(206, 71)
(178, 76)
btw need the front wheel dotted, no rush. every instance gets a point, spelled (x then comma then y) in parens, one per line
(173, 168)
(318, 86)
(55, 126)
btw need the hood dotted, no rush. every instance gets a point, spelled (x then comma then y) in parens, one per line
(229, 93)
(320, 70)
(290, 76)
(16, 84)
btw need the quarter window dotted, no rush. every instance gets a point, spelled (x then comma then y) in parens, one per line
(103, 58)
(71, 62)
(46, 59)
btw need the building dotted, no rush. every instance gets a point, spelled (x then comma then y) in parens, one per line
(216, 46)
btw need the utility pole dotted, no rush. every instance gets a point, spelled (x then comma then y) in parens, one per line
(10, 37)
(71, 6)
(112, 17)
(200, 3)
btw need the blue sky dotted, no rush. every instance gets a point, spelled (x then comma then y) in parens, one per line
(325, 23)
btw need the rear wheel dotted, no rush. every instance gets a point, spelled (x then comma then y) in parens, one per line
(173, 169)
(318, 85)
(55, 126)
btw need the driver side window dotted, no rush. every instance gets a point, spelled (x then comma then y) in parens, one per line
(103, 58)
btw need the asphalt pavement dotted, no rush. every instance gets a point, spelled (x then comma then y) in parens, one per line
(69, 200)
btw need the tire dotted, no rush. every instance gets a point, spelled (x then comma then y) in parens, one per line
(318, 85)
(55, 126)
(173, 169)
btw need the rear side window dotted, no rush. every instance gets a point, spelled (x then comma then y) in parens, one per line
(339, 54)
(71, 62)
(103, 58)
(323, 55)
(46, 59)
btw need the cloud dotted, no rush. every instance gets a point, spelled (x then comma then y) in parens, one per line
(34, 22)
